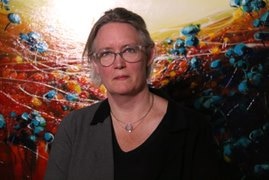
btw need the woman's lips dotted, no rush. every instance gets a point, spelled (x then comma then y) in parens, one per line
(121, 77)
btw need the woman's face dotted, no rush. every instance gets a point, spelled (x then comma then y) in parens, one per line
(121, 78)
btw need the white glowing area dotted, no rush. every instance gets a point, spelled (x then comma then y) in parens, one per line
(76, 18)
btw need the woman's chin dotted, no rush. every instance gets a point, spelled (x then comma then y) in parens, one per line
(122, 90)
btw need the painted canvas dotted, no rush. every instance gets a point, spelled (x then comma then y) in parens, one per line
(212, 56)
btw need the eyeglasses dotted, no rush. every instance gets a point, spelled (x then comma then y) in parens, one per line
(130, 54)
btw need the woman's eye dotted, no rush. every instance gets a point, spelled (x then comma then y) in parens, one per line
(130, 50)
(104, 54)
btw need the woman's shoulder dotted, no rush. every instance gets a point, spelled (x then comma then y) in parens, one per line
(183, 112)
(90, 108)
(82, 115)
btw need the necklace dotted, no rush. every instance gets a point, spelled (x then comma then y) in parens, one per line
(129, 127)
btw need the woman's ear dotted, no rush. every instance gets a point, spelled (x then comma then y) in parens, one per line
(95, 73)
(151, 56)
(96, 67)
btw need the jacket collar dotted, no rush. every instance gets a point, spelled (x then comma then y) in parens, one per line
(175, 118)
(102, 112)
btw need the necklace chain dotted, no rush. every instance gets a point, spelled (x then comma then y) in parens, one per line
(129, 127)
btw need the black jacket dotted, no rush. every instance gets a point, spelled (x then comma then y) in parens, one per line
(83, 147)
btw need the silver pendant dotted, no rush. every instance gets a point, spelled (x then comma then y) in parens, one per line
(129, 127)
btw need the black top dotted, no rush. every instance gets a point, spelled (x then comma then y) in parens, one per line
(156, 159)
(149, 160)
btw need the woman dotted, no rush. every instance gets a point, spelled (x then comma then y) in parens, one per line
(134, 133)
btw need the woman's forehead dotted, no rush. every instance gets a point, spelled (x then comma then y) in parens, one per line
(117, 33)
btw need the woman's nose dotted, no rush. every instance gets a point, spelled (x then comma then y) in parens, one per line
(119, 62)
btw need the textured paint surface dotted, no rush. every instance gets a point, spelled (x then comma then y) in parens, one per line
(211, 56)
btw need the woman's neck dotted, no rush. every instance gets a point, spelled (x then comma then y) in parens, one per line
(131, 106)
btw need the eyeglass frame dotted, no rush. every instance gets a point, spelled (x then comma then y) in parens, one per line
(120, 53)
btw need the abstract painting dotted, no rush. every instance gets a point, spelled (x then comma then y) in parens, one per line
(211, 56)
